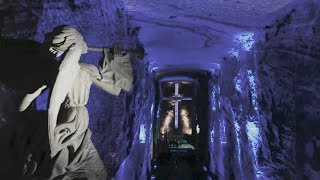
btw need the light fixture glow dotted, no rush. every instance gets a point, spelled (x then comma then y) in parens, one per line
(186, 129)
(167, 120)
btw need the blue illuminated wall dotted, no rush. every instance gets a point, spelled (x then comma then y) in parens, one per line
(263, 120)
(235, 125)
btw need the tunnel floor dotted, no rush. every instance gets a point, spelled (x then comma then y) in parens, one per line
(179, 166)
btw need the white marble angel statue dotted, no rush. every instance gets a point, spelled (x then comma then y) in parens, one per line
(68, 117)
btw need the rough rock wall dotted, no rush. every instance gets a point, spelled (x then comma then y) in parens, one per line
(9, 103)
(237, 127)
(134, 143)
(122, 130)
(289, 70)
(265, 111)
(121, 125)
(114, 120)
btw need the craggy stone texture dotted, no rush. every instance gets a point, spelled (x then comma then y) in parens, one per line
(193, 33)
(267, 99)
(117, 129)
(237, 128)
(134, 142)
(114, 120)
(9, 103)
(289, 71)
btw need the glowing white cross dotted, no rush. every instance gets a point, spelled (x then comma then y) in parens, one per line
(177, 99)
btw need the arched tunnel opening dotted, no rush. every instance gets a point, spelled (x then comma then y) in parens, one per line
(180, 127)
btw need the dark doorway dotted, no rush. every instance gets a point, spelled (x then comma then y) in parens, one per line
(180, 128)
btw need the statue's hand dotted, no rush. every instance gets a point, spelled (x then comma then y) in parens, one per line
(29, 98)
(117, 51)
(56, 52)
(38, 92)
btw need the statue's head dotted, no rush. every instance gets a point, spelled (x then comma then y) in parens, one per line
(63, 38)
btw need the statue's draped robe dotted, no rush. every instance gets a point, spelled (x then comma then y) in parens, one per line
(78, 157)
(73, 117)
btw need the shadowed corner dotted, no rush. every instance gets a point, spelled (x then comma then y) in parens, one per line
(25, 64)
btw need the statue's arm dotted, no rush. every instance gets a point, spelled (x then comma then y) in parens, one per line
(91, 69)
(26, 101)
(106, 87)
(95, 75)
(102, 77)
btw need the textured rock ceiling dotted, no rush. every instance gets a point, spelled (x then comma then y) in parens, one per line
(193, 33)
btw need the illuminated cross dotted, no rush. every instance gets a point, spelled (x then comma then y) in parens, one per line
(177, 98)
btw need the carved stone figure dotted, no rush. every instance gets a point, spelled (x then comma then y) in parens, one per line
(72, 154)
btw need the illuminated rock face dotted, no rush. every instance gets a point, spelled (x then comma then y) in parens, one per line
(191, 33)
(264, 118)
(236, 126)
